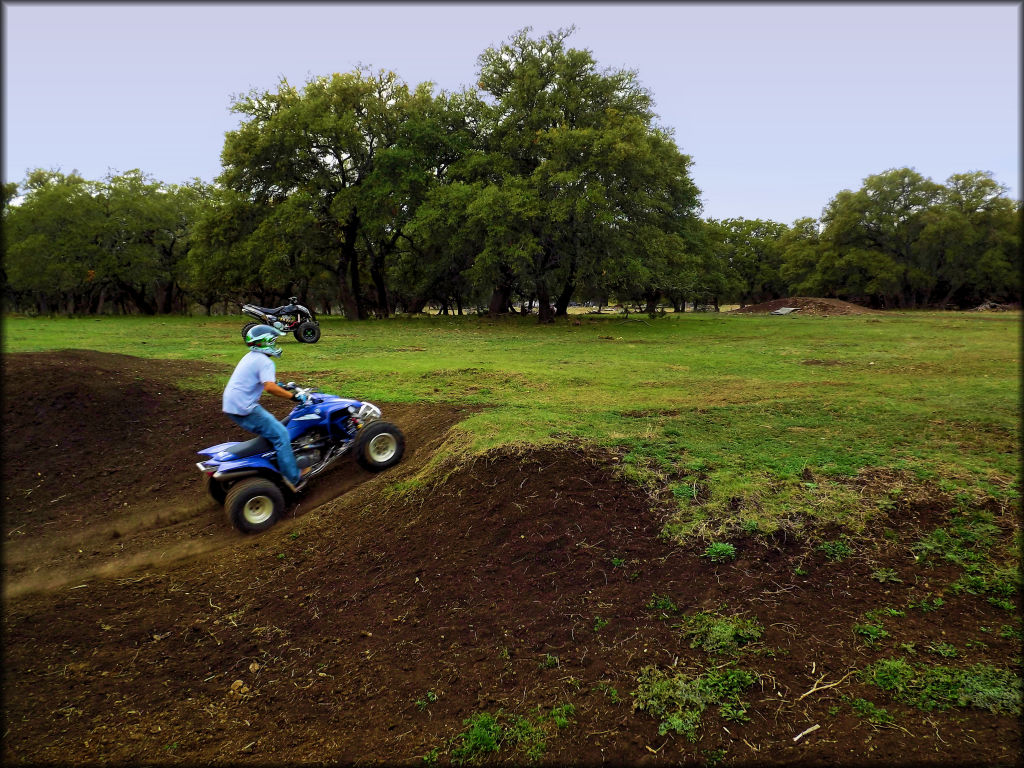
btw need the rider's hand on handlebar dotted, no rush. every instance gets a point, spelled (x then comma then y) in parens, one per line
(301, 397)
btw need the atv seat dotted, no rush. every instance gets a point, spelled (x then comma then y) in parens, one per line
(250, 448)
(275, 311)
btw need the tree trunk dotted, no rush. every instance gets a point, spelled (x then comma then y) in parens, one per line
(652, 302)
(348, 303)
(377, 273)
(500, 298)
(416, 305)
(545, 312)
(562, 302)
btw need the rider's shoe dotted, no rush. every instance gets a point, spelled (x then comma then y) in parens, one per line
(296, 487)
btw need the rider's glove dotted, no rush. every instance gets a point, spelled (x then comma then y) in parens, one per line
(300, 397)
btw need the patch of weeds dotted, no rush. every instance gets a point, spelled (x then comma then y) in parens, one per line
(1001, 602)
(482, 736)
(925, 606)
(618, 562)
(713, 757)
(967, 539)
(599, 623)
(1000, 584)
(715, 633)
(527, 737)
(971, 583)
(871, 633)
(836, 551)
(530, 737)
(662, 605)
(428, 698)
(909, 648)
(548, 662)
(884, 575)
(1011, 633)
(980, 686)
(798, 571)
(562, 715)
(685, 492)
(735, 711)
(873, 714)
(608, 691)
(719, 552)
(945, 650)
(877, 614)
(678, 701)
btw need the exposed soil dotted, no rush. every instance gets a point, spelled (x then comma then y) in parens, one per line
(806, 306)
(368, 625)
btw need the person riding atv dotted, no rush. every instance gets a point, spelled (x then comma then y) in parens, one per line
(255, 374)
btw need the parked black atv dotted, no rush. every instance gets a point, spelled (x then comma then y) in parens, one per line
(291, 318)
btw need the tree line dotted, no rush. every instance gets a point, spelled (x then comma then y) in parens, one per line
(547, 183)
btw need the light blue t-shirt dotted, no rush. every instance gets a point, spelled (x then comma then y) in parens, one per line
(246, 384)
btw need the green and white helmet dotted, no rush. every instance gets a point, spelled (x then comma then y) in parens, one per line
(263, 338)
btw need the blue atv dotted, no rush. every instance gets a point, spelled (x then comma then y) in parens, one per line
(244, 478)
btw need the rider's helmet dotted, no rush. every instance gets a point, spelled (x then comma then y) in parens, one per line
(263, 338)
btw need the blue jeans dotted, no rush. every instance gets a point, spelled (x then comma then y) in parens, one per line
(262, 422)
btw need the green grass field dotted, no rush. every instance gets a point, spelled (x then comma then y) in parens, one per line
(757, 419)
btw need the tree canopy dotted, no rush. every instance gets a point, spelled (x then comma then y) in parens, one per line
(547, 182)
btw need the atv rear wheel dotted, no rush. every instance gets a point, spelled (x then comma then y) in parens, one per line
(246, 327)
(254, 505)
(308, 332)
(380, 445)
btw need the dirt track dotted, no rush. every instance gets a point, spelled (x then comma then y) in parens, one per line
(139, 627)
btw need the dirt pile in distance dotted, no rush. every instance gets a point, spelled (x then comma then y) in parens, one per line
(806, 306)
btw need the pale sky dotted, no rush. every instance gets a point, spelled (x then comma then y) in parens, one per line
(780, 106)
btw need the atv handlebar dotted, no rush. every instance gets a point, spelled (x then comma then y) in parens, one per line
(304, 394)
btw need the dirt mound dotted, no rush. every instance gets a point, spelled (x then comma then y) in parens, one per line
(806, 306)
(368, 625)
(992, 306)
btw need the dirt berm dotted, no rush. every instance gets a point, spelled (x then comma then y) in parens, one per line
(139, 627)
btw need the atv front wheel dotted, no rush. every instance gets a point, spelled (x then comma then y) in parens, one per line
(380, 445)
(254, 505)
(308, 332)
